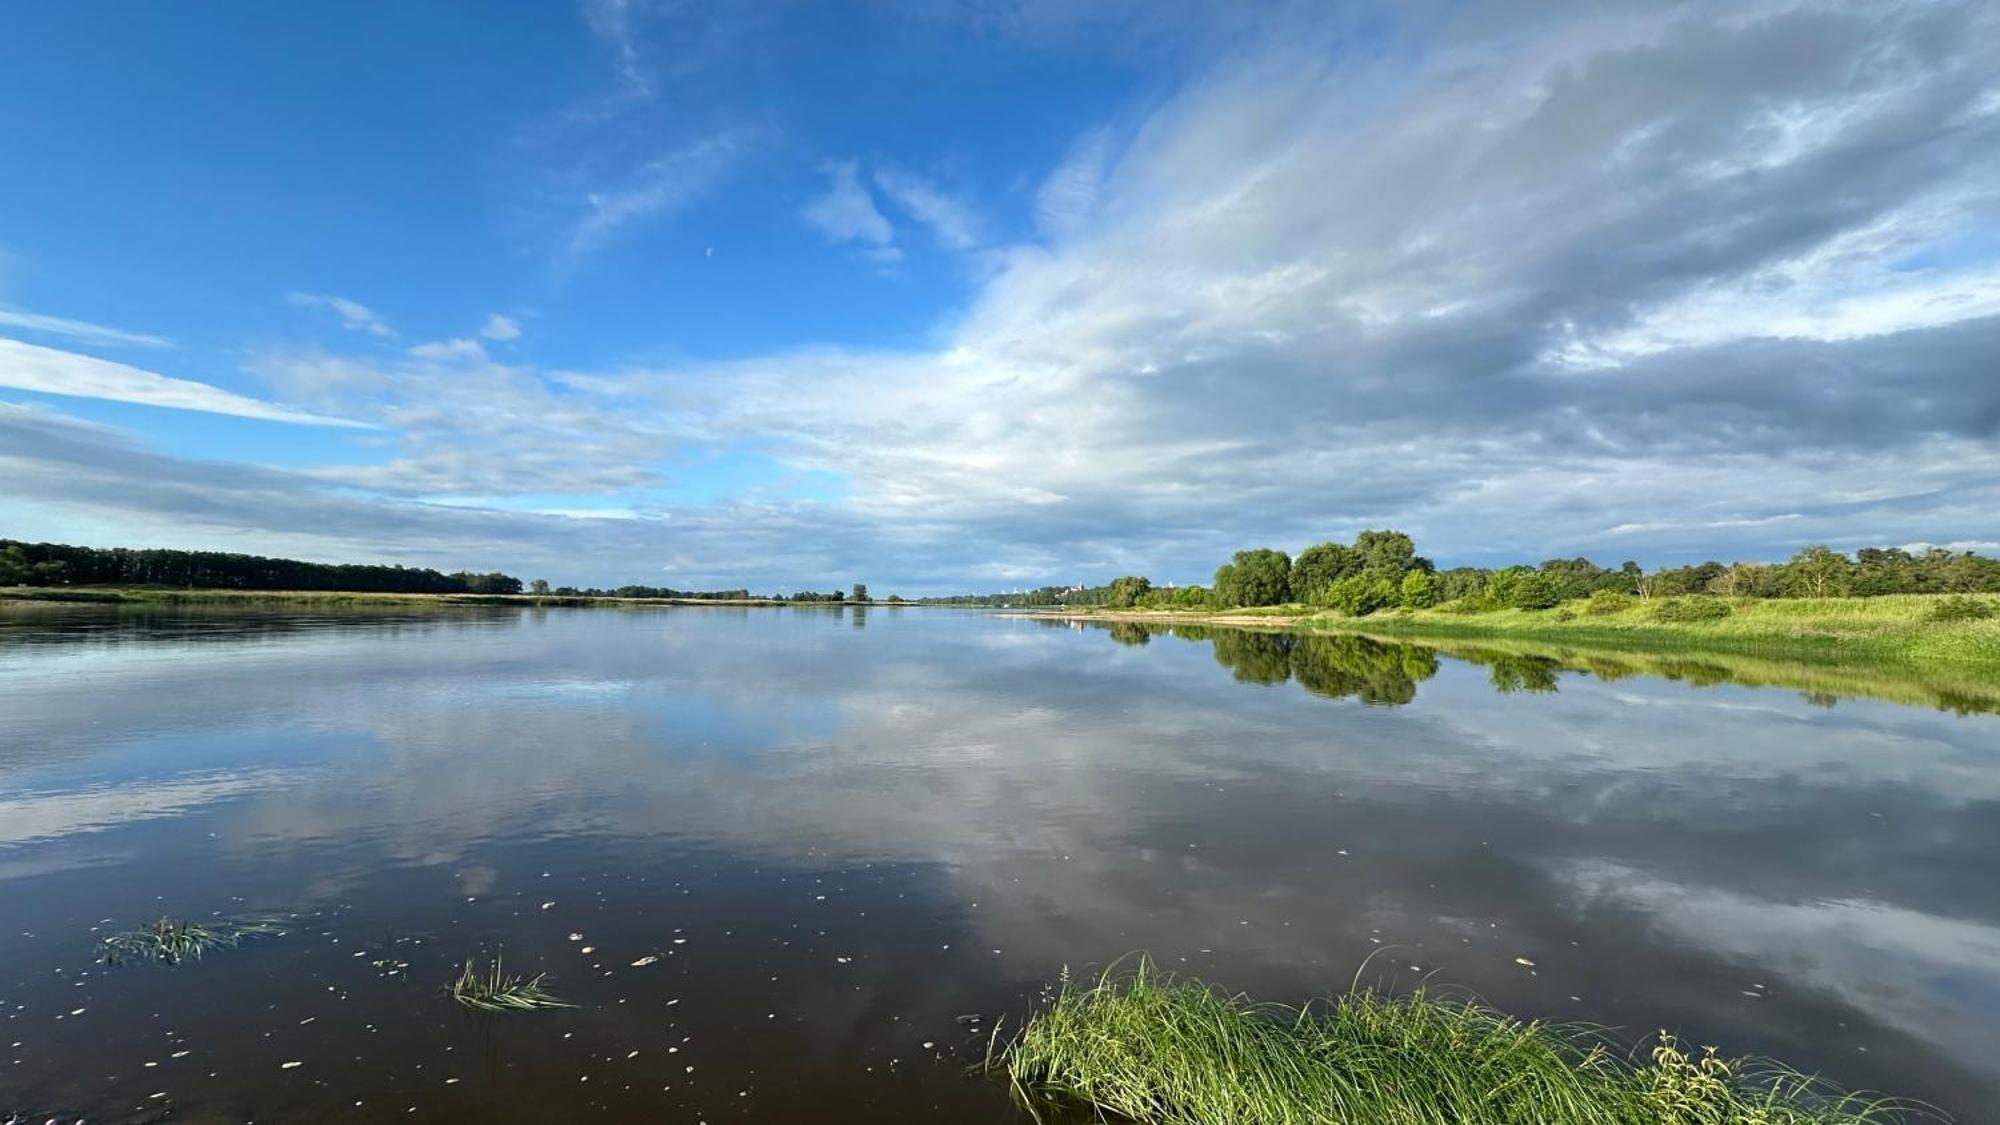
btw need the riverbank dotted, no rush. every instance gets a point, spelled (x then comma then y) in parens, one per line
(152, 595)
(1890, 630)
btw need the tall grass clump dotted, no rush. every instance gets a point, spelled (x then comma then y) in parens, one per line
(173, 941)
(1603, 603)
(495, 991)
(1700, 607)
(1958, 607)
(1157, 1050)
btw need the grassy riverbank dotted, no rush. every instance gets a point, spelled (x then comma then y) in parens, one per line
(1891, 630)
(174, 595)
(1151, 1049)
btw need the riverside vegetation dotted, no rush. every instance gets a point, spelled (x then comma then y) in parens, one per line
(1880, 605)
(1147, 1047)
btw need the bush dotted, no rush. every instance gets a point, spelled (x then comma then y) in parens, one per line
(1419, 590)
(1697, 608)
(1605, 602)
(1535, 590)
(1359, 595)
(1958, 607)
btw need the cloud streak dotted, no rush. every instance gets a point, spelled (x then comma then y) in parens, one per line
(354, 316)
(29, 367)
(81, 331)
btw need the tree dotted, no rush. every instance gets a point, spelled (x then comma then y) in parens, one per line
(1535, 589)
(1126, 591)
(13, 567)
(1320, 566)
(1819, 571)
(1359, 595)
(1256, 577)
(1386, 554)
(1419, 590)
(895, 599)
(539, 586)
(860, 592)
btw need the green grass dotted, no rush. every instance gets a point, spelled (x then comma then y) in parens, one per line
(1892, 630)
(495, 991)
(1153, 1049)
(172, 941)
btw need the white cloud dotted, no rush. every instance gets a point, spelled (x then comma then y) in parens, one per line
(354, 315)
(501, 328)
(29, 367)
(80, 330)
(456, 348)
(847, 212)
(660, 186)
(954, 222)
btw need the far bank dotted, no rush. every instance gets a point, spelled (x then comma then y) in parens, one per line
(1914, 630)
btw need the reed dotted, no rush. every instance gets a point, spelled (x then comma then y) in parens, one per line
(495, 991)
(172, 941)
(1146, 1047)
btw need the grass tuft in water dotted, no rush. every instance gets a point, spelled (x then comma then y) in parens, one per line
(494, 991)
(1150, 1048)
(173, 941)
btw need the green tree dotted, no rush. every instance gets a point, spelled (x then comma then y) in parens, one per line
(1320, 566)
(1359, 595)
(860, 592)
(1534, 589)
(1386, 554)
(539, 586)
(1126, 591)
(1819, 571)
(1419, 590)
(13, 567)
(1255, 577)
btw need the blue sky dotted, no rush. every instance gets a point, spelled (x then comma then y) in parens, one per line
(968, 296)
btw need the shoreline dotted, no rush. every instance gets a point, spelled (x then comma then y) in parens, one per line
(1888, 630)
(139, 595)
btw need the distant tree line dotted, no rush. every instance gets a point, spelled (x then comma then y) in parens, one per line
(643, 592)
(57, 564)
(1041, 596)
(1381, 570)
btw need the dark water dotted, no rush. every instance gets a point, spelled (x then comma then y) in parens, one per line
(841, 833)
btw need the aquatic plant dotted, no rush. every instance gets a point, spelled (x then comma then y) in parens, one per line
(173, 941)
(1150, 1048)
(494, 991)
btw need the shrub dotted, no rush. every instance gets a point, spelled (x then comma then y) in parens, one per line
(1359, 595)
(1958, 607)
(1605, 602)
(1697, 608)
(1419, 590)
(1535, 590)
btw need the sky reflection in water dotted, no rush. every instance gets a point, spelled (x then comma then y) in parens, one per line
(842, 832)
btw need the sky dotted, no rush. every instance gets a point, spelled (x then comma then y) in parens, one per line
(947, 297)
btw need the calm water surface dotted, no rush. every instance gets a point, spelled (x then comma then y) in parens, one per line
(844, 834)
